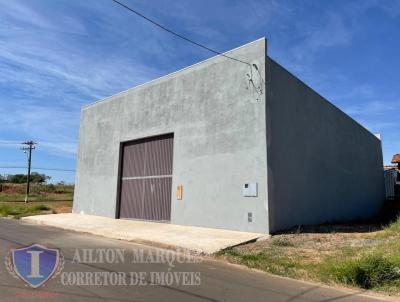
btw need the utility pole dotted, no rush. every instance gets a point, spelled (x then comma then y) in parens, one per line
(28, 150)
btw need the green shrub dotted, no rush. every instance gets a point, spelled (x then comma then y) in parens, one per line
(392, 229)
(40, 207)
(4, 209)
(15, 211)
(50, 188)
(367, 272)
(7, 210)
(21, 210)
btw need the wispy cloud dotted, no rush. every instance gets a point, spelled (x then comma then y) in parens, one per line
(374, 108)
(56, 56)
(21, 13)
(358, 92)
(47, 75)
(391, 8)
(58, 148)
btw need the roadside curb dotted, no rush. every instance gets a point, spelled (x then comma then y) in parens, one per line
(148, 243)
(194, 240)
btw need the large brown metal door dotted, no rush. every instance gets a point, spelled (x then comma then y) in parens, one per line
(146, 178)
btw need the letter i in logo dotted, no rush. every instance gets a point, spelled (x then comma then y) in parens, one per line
(35, 264)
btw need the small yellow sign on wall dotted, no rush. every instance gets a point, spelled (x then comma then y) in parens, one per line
(179, 192)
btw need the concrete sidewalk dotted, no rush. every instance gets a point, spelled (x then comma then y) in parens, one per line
(194, 239)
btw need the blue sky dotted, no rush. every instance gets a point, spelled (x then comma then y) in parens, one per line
(57, 55)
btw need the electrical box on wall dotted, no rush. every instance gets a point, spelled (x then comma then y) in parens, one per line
(250, 189)
(179, 192)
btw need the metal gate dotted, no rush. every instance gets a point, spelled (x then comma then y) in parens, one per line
(146, 178)
(390, 183)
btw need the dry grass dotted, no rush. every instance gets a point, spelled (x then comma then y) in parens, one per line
(44, 199)
(364, 256)
(41, 193)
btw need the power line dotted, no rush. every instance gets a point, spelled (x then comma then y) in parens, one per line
(28, 151)
(38, 168)
(176, 34)
(55, 169)
(3, 142)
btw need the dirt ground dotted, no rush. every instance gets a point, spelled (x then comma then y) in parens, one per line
(358, 255)
(58, 209)
(315, 246)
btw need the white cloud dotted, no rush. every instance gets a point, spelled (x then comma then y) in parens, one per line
(56, 56)
(57, 148)
(373, 108)
(47, 74)
(22, 13)
(358, 92)
(391, 8)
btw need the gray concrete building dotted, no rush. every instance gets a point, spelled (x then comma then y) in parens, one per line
(241, 145)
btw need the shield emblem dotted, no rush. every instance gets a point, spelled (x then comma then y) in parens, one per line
(35, 264)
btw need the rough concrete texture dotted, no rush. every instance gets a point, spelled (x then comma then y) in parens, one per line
(194, 239)
(322, 165)
(219, 142)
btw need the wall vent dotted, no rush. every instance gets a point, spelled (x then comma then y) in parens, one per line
(249, 217)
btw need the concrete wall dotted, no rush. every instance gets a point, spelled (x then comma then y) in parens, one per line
(322, 165)
(312, 163)
(219, 142)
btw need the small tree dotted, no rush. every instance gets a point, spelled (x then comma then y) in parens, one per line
(16, 178)
(34, 178)
(39, 178)
(50, 188)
